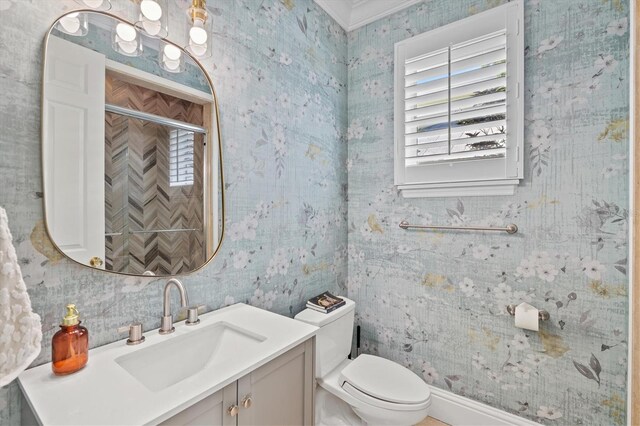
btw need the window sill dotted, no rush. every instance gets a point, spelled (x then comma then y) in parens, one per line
(459, 189)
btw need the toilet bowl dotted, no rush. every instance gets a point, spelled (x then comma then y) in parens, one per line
(373, 409)
(378, 391)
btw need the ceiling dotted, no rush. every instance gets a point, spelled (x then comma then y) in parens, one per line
(352, 14)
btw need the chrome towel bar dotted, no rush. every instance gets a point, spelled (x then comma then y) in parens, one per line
(153, 231)
(509, 229)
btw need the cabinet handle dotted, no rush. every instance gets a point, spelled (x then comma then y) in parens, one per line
(247, 401)
(233, 410)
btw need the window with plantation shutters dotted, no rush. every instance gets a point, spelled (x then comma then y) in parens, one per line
(180, 157)
(458, 107)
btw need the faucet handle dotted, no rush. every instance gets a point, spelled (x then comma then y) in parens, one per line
(192, 316)
(135, 333)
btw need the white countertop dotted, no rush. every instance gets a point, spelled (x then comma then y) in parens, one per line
(103, 393)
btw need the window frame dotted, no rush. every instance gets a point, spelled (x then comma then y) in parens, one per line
(174, 169)
(482, 176)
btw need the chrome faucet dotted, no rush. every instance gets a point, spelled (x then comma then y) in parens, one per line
(166, 322)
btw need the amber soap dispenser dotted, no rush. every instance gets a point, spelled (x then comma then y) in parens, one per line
(70, 345)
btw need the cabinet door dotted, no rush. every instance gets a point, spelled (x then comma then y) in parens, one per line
(280, 392)
(211, 411)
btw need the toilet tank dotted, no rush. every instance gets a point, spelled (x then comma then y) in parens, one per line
(333, 340)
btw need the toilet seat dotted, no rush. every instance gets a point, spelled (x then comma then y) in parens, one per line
(384, 383)
(372, 410)
(379, 403)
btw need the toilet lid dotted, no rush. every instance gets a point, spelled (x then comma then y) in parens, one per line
(385, 380)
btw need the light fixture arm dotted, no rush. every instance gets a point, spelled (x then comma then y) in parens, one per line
(198, 11)
(199, 4)
(198, 30)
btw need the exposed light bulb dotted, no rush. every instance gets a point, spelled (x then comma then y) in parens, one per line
(152, 19)
(171, 58)
(126, 37)
(197, 33)
(198, 29)
(95, 4)
(171, 52)
(126, 32)
(128, 46)
(71, 22)
(151, 10)
(152, 28)
(197, 49)
(171, 65)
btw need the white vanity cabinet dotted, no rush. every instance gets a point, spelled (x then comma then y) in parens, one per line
(239, 366)
(280, 392)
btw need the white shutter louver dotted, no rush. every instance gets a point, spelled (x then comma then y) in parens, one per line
(455, 102)
(181, 157)
(458, 109)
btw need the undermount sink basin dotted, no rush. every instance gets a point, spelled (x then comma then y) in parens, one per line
(179, 357)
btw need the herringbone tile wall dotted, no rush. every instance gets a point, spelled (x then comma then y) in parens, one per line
(138, 196)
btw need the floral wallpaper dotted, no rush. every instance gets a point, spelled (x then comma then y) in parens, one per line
(435, 301)
(280, 73)
(307, 129)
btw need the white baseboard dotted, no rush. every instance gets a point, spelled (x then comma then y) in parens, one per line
(457, 410)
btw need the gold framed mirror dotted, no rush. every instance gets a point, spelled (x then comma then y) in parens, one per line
(131, 151)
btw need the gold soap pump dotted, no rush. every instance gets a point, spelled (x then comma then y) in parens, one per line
(72, 316)
(70, 345)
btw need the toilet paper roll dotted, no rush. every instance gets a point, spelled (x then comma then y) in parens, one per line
(527, 317)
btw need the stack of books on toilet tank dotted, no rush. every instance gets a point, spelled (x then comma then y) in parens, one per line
(325, 302)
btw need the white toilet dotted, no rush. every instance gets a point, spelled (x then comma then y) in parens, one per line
(379, 391)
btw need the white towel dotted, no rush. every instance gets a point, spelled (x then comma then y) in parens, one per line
(20, 331)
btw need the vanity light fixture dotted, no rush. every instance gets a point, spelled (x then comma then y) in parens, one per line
(198, 30)
(126, 40)
(171, 58)
(153, 18)
(96, 4)
(75, 24)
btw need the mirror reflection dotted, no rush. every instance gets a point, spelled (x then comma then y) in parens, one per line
(131, 158)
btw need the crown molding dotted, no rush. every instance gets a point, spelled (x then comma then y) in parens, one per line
(353, 14)
(339, 10)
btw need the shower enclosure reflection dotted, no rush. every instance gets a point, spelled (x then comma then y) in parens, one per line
(154, 170)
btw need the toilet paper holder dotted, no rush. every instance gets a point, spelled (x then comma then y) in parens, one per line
(542, 314)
